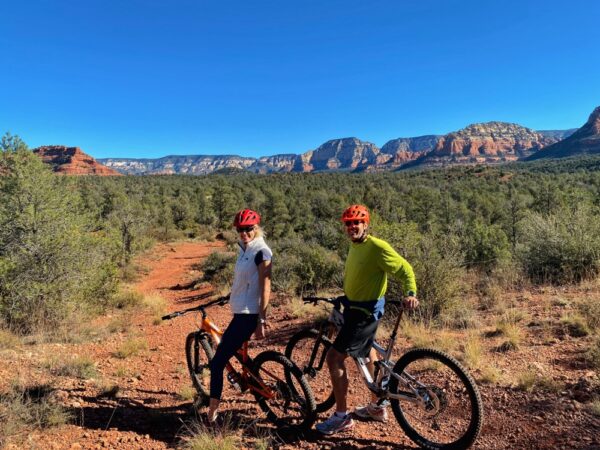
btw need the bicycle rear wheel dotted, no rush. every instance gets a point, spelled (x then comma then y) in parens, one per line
(447, 413)
(198, 353)
(299, 350)
(290, 404)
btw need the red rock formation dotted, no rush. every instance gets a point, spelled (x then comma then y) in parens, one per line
(72, 161)
(489, 142)
(586, 140)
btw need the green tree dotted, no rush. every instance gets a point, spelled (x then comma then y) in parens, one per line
(50, 264)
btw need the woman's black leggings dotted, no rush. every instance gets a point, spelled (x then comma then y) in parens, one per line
(239, 331)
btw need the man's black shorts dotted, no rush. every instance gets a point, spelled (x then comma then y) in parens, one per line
(357, 334)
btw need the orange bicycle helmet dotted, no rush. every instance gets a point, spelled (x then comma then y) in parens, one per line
(356, 212)
(246, 218)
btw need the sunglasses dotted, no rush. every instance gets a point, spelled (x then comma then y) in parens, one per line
(244, 229)
(353, 222)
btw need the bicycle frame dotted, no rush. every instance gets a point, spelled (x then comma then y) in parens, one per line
(385, 366)
(210, 329)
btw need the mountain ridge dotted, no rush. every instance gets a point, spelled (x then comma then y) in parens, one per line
(478, 143)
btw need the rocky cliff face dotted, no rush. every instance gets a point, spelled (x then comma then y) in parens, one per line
(343, 154)
(72, 161)
(585, 140)
(275, 163)
(421, 144)
(490, 142)
(175, 164)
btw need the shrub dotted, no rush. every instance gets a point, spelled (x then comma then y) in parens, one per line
(562, 247)
(485, 246)
(218, 269)
(436, 261)
(305, 267)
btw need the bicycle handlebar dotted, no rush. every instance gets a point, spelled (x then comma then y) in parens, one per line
(337, 301)
(218, 301)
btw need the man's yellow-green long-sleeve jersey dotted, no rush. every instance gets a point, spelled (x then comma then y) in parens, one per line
(367, 267)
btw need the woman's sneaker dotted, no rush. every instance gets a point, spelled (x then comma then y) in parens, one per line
(335, 424)
(372, 412)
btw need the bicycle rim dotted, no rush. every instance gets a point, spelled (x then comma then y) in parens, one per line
(199, 353)
(289, 403)
(448, 414)
(299, 351)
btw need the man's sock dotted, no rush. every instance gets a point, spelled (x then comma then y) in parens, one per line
(341, 414)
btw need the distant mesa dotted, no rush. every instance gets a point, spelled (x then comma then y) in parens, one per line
(584, 141)
(72, 161)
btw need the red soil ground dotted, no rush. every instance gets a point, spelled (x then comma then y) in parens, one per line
(148, 412)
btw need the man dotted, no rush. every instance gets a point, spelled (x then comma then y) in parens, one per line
(368, 264)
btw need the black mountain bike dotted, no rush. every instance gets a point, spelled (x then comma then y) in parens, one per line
(434, 399)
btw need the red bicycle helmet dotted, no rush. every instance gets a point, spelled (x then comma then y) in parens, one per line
(246, 218)
(356, 212)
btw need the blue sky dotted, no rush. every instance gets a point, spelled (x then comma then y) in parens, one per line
(151, 78)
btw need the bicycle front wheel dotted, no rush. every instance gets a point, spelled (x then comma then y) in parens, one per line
(282, 392)
(199, 353)
(300, 351)
(445, 412)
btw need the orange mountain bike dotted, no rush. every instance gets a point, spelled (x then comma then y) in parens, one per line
(279, 387)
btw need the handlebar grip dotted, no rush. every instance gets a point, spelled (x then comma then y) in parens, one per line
(169, 316)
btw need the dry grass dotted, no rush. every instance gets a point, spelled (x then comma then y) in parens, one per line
(589, 307)
(201, 437)
(489, 375)
(126, 298)
(72, 366)
(131, 347)
(508, 327)
(526, 380)
(460, 316)
(26, 408)
(530, 380)
(574, 325)
(119, 324)
(8, 340)
(593, 354)
(187, 393)
(108, 389)
(298, 309)
(157, 307)
(594, 407)
(472, 351)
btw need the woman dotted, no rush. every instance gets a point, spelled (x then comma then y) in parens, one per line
(249, 299)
